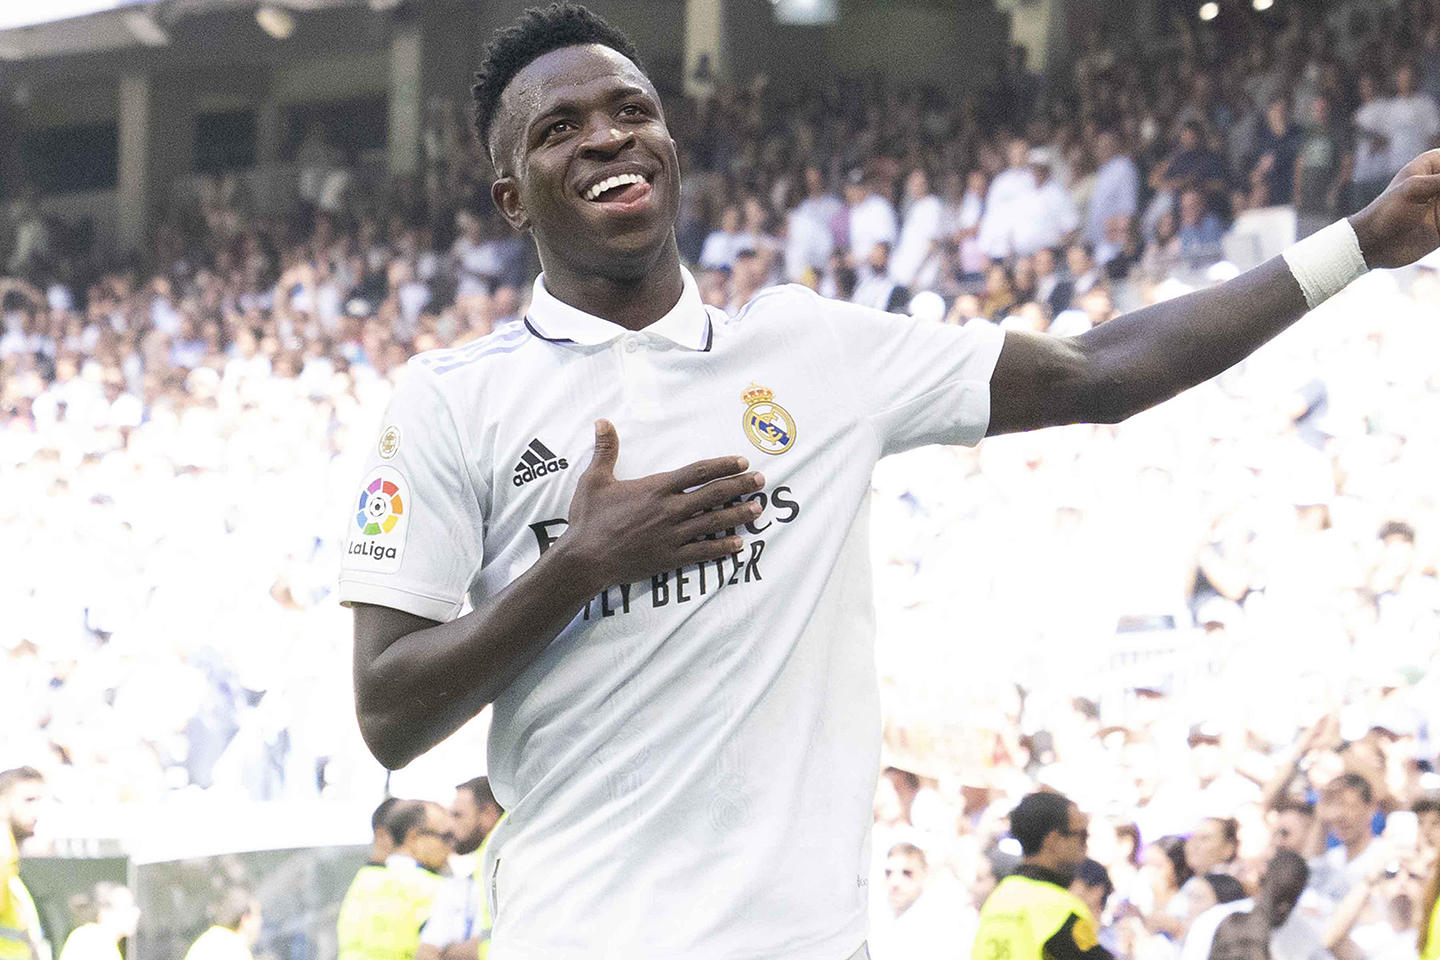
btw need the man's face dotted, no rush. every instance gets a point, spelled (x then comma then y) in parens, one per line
(1405, 81)
(1292, 828)
(1074, 840)
(905, 878)
(1430, 828)
(1016, 152)
(122, 914)
(574, 119)
(21, 806)
(1347, 815)
(470, 822)
(1207, 847)
(434, 841)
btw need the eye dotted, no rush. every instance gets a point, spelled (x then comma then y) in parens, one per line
(632, 110)
(557, 128)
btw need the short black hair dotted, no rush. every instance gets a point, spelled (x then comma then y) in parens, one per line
(407, 815)
(1225, 887)
(1036, 817)
(10, 779)
(1428, 803)
(535, 33)
(1398, 528)
(479, 788)
(377, 819)
(1352, 781)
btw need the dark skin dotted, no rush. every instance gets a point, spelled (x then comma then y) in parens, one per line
(581, 114)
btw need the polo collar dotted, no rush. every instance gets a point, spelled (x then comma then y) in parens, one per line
(686, 325)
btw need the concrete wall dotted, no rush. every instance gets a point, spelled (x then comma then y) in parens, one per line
(948, 45)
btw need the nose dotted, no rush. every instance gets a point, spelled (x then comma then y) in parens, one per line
(604, 138)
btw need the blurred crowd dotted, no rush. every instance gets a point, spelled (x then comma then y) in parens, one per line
(1196, 623)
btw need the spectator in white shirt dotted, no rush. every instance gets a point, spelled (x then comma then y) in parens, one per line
(921, 229)
(872, 217)
(1411, 122)
(1046, 216)
(809, 240)
(913, 926)
(722, 245)
(1012, 198)
(1372, 170)
(1117, 187)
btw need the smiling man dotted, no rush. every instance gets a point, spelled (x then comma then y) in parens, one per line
(676, 630)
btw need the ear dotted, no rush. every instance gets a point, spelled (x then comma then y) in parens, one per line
(505, 192)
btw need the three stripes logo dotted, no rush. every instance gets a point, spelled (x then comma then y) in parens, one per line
(536, 462)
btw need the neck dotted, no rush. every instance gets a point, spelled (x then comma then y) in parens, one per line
(634, 301)
(1354, 848)
(1045, 862)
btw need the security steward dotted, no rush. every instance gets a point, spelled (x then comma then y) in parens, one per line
(386, 906)
(21, 791)
(1032, 915)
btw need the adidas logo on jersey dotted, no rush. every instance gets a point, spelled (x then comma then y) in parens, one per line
(536, 462)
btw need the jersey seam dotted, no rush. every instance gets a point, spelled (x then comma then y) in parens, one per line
(472, 483)
(385, 586)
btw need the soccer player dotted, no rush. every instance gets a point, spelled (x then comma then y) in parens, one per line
(660, 519)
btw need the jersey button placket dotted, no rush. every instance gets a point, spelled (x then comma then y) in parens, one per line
(642, 393)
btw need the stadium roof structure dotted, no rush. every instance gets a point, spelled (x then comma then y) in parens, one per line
(99, 26)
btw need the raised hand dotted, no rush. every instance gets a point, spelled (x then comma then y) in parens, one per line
(1403, 224)
(621, 531)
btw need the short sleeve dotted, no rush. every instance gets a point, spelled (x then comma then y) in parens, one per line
(918, 381)
(414, 529)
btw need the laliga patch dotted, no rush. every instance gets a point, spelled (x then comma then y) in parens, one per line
(377, 531)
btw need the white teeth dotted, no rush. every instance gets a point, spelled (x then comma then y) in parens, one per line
(623, 179)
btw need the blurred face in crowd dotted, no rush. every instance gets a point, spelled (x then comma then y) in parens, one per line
(120, 915)
(730, 219)
(1016, 152)
(1346, 814)
(571, 119)
(904, 880)
(1070, 845)
(471, 821)
(1208, 847)
(1429, 829)
(1078, 260)
(917, 184)
(1292, 831)
(814, 182)
(1093, 896)
(1156, 866)
(1192, 208)
(433, 841)
(21, 807)
(249, 928)
(1404, 81)
(984, 883)
(1044, 262)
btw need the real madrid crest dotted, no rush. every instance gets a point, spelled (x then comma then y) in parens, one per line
(768, 425)
(389, 442)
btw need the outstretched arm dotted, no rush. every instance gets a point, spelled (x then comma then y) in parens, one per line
(1143, 358)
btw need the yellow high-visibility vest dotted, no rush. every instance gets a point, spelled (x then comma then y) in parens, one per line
(1432, 935)
(383, 911)
(19, 920)
(1022, 914)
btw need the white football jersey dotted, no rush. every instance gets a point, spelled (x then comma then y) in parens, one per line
(689, 767)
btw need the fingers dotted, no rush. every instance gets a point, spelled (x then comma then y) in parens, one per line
(607, 449)
(1422, 187)
(702, 551)
(703, 471)
(714, 521)
(717, 493)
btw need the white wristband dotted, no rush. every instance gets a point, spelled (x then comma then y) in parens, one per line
(1325, 262)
